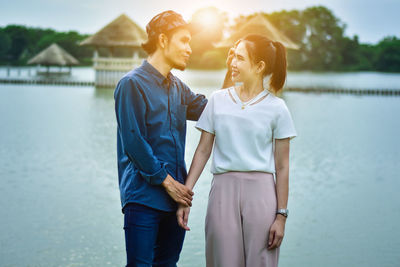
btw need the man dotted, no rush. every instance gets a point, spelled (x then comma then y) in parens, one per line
(151, 107)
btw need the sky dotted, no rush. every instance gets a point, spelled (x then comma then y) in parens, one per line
(370, 20)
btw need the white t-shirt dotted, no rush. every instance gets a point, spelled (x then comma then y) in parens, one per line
(244, 138)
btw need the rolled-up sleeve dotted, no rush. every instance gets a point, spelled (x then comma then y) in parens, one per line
(130, 110)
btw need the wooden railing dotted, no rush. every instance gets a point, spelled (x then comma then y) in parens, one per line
(115, 64)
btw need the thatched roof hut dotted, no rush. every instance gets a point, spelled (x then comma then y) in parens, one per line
(54, 55)
(258, 25)
(117, 49)
(121, 32)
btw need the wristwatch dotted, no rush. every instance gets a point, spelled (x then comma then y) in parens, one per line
(284, 212)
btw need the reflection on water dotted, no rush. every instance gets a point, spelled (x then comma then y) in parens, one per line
(59, 190)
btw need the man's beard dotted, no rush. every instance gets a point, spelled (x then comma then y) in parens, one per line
(182, 68)
(174, 65)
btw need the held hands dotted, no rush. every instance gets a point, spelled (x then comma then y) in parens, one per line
(276, 232)
(178, 192)
(182, 215)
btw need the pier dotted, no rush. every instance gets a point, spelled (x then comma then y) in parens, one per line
(46, 82)
(387, 92)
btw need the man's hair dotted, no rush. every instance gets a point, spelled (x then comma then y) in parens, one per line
(150, 46)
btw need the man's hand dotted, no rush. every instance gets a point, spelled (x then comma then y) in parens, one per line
(178, 192)
(182, 215)
(276, 232)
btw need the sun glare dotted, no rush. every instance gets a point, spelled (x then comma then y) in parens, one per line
(206, 17)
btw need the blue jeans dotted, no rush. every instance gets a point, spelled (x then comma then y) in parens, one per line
(152, 237)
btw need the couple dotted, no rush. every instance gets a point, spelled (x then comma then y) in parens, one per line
(250, 129)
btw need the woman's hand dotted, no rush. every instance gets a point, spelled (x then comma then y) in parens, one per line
(182, 215)
(229, 58)
(276, 232)
(228, 79)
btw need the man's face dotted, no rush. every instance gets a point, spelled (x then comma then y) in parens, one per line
(178, 50)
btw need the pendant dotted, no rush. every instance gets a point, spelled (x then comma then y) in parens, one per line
(242, 107)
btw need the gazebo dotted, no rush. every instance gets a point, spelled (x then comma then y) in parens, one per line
(258, 25)
(117, 50)
(54, 55)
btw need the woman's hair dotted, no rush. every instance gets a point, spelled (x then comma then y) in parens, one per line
(260, 48)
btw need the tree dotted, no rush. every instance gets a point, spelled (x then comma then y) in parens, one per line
(5, 45)
(350, 51)
(388, 55)
(291, 24)
(323, 40)
(319, 34)
(19, 41)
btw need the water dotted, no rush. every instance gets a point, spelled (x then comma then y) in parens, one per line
(59, 198)
(346, 80)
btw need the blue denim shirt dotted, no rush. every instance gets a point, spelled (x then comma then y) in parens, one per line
(151, 113)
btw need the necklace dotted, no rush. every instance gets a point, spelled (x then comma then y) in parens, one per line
(245, 104)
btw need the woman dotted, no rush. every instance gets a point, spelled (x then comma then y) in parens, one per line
(252, 128)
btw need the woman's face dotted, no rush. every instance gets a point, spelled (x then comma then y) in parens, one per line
(242, 68)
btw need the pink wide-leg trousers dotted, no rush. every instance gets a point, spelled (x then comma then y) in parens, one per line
(241, 209)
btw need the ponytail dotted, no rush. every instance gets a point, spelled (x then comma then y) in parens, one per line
(260, 48)
(278, 77)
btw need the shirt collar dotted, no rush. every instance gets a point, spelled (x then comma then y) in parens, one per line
(160, 79)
